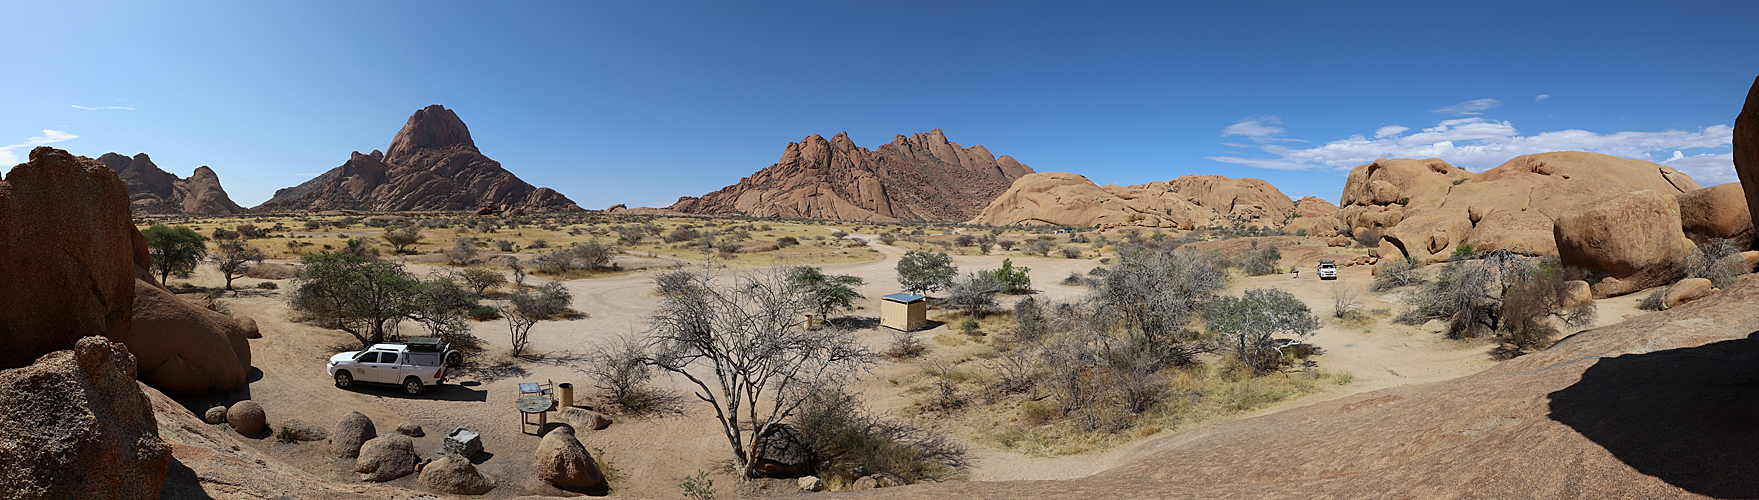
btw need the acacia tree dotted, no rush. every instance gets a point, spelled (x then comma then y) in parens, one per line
(828, 293)
(354, 293)
(1250, 324)
(753, 338)
(528, 306)
(234, 258)
(923, 272)
(401, 240)
(174, 250)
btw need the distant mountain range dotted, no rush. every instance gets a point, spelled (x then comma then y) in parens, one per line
(152, 191)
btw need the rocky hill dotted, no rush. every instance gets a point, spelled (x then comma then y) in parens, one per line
(152, 191)
(1188, 202)
(432, 164)
(918, 178)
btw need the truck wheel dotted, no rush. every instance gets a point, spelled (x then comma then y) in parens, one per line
(453, 359)
(343, 379)
(412, 386)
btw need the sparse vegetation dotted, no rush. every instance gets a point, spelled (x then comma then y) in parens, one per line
(174, 250)
(923, 272)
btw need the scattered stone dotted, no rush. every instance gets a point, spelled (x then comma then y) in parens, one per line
(865, 483)
(455, 475)
(354, 430)
(386, 457)
(410, 429)
(888, 480)
(811, 483)
(247, 417)
(584, 419)
(1687, 290)
(303, 430)
(76, 424)
(215, 415)
(249, 325)
(462, 441)
(1338, 241)
(563, 462)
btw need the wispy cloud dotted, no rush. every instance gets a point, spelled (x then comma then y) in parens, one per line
(95, 108)
(9, 158)
(1259, 129)
(1541, 97)
(1472, 107)
(1478, 144)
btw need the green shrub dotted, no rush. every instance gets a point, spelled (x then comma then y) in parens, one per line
(1656, 300)
(1463, 252)
(483, 312)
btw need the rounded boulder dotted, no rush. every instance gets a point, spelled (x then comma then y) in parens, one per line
(563, 462)
(386, 457)
(352, 432)
(455, 475)
(411, 429)
(1636, 238)
(247, 417)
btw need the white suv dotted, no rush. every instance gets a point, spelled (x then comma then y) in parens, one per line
(415, 364)
(1328, 270)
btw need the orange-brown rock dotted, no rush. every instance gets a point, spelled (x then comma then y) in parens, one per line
(184, 349)
(152, 191)
(1635, 238)
(1717, 212)
(1440, 206)
(1188, 202)
(69, 231)
(432, 164)
(1319, 227)
(1746, 150)
(1314, 207)
(918, 178)
(1529, 232)
(75, 424)
(1687, 290)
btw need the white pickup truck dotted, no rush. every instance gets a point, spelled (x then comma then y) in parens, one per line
(415, 364)
(1328, 270)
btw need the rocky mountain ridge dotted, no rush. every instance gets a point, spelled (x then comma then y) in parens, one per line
(152, 191)
(432, 164)
(922, 177)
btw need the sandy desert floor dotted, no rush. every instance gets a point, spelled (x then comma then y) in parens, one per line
(651, 455)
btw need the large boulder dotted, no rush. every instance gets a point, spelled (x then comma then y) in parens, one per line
(354, 430)
(1314, 207)
(183, 349)
(1717, 212)
(1529, 232)
(455, 475)
(386, 457)
(584, 419)
(301, 430)
(76, 425)
(562, 461)
(1635, 238)
(1746, 142)
(68, 229)
(247, 417)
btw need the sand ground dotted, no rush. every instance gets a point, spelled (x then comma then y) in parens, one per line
(651, 455)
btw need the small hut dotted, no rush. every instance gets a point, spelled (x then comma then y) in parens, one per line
(903, 311)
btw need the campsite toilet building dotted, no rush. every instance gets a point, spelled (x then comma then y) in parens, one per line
(903, 311)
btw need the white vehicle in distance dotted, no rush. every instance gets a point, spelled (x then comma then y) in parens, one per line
(414, 364)
(1328, 270)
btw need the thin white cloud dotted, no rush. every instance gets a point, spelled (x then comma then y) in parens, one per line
(1259, 129)
(1390, 130)
(9, 158)
(1472, 107)
(1541, 97)
(1478, 144)
(95, 108)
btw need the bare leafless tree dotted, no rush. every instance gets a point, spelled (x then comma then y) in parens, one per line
(752, 336)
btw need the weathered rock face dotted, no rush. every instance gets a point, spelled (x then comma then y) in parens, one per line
(562, 461)
(1635, 238)
(1717, 212)
(1746, 145)
(352, 432)
(918, 178)
(68, 229)
(1427, 207)
(432, 165)
(152, 191)
(184, 349)
(1188, 202)
(1314, 207)
(76, 425)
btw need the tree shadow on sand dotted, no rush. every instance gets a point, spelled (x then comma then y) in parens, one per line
(1687, 416)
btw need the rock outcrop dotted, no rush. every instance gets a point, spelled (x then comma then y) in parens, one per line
(563, 462)
(1314, 207)
(1188, 202)
(1635, 238)
(432, 164)
(1717, 212)
(184, 349)
(1746, 150)
(386, 457)
(152, 191)
(75, 424)
(68, 229)
(918, 178)
(456, 475)
(1426, 208)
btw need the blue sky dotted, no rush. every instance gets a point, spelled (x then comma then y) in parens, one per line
(642, 102)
